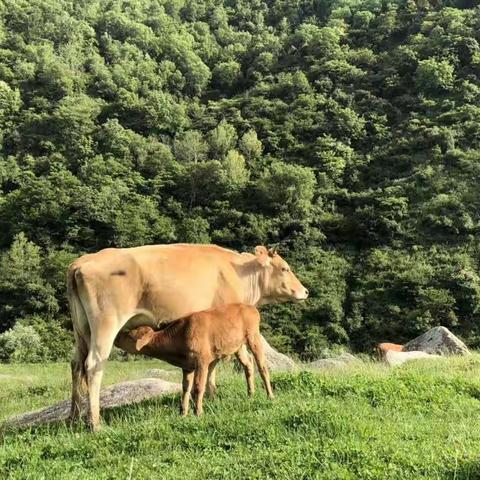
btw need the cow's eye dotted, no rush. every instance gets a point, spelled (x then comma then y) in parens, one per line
(285, 269)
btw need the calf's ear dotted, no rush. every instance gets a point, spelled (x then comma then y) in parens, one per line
(144, 340)
(263, 258)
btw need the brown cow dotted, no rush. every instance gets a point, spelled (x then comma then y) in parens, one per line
(197, 342)
(122, 288)
(383, 348)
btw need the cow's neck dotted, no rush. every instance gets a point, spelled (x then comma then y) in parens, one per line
(252, 291)
(252, 277)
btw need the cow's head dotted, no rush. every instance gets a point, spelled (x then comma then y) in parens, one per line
(278, 282)
(142, 335)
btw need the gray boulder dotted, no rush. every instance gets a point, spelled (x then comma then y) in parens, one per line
(341, 360)
(124, 393)
(438, 340)
(276, 361)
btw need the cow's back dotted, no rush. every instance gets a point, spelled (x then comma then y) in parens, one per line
(109, 281)
(180, 279)
(159, 283)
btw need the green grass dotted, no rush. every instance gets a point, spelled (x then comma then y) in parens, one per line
(364, 422)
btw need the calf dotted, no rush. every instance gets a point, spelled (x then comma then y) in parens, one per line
(197, 342)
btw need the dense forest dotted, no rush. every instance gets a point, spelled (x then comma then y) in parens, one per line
(344, 132)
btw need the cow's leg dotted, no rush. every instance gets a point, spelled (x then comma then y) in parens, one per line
(255, 344)
(187, 388)
(103, 333)
(78, 376)
(199, 383)
(247, 364)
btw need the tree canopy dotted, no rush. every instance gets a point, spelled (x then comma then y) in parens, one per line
(346, 132)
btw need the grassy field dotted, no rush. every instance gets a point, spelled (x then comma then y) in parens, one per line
(366, 422)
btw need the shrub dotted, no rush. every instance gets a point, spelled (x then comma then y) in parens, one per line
(21, 344)
(56, 340)
(36, 339)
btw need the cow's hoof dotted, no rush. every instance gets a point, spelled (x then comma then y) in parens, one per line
(97, 427)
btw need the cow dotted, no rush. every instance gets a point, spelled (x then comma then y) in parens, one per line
(124, 288)
(383, 348)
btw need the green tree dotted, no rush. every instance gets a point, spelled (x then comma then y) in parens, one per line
(23, 291)
(435, 76)
(190, 147)
(284, 187)
(226, 74)
(250, 145)
(236, 169)
(222, 139)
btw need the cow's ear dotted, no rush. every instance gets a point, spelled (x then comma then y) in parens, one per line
(144, 340)
(262, 256)
(272, 252)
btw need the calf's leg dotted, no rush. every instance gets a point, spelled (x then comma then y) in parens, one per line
(247, 364)
(199, 383)
(187, 388)
(211, 384)
(255, 345)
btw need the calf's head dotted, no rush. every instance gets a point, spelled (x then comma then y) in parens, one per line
(142, 335)
(278, 282)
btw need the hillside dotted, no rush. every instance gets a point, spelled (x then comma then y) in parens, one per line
(347, 132)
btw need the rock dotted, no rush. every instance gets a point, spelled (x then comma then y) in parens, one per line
(341, 360)
(116, 395)
(159, 373)
(326, 363)
(276, 361)
(346, 357)
(394, 358)
(438, 340)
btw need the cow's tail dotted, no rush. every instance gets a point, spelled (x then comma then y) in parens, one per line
(78, 314)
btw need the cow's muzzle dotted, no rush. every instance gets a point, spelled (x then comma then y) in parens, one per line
(301, 294)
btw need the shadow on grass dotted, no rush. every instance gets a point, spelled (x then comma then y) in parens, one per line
(141, 409)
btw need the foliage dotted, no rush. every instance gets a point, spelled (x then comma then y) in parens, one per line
(34, 339)
(23, 290)
(57, 342)
(21, 344)
(347, 133)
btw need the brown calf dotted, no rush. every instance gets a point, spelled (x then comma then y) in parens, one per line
(197, 342)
